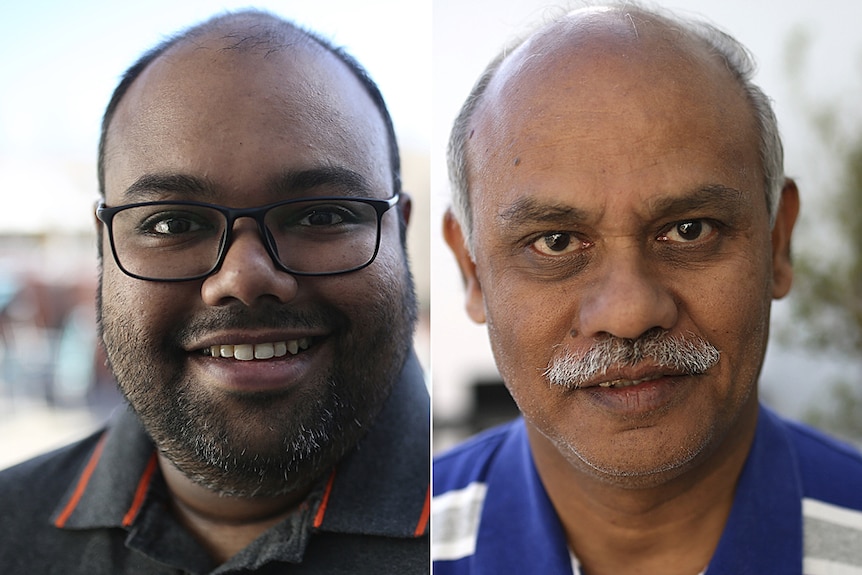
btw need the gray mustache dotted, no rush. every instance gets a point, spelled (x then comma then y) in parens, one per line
(689, 354)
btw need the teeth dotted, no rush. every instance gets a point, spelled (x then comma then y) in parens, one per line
(622, 382)
(243, 352)
(264, 351)
(248, 351)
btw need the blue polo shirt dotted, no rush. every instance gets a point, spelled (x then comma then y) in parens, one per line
(797, 508)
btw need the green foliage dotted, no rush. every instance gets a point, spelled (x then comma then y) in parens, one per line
(827, 291)
(828, 287)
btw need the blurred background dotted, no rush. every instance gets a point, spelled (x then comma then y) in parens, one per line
(59, 64)
(810, 63)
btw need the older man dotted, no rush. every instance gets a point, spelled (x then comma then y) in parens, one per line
(257, 310)
(622, 222)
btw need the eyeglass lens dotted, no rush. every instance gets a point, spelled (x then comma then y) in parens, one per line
(174, 241)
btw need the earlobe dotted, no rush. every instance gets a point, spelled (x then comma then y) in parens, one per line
(454, 235)
(785, 218)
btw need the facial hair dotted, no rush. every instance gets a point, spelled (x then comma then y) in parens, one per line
(211, 440)
(689, 354)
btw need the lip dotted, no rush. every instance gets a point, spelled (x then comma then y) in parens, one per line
(655, 393)
(269, 375)
(640, 374)
(253, 338)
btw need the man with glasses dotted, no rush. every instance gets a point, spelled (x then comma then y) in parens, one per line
(257, 310)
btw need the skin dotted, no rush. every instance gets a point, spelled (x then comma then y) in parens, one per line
(613, 137)
(238, 120)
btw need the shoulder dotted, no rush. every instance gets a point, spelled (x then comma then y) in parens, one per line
(50, 473)
(830, 473)
(29, 495)
(470, 462)
(830, 470)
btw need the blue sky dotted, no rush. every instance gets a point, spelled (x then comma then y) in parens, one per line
(59, 61)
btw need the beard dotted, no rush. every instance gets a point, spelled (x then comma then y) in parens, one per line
(269, 443)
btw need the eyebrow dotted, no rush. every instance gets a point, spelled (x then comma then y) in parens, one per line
(344, 180)
(710, 197)
(289, 183)
(154, 186)
(528, 210)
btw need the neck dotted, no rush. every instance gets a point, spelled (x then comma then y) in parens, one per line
(224, 525)
(670, 527)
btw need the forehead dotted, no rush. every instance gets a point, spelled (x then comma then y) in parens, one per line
(601, 101)
(236, 116)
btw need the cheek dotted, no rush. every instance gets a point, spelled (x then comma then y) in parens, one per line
(526, 324)
(732, 311)
(142, 311)
(737, 298)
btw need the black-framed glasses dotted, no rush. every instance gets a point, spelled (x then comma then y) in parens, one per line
(182, 240)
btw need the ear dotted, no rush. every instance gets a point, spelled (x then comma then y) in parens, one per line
(454, 235)
(405, 205)
(100, 229)
(785, 218)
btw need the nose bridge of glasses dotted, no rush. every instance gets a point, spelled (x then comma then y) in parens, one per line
(238, 224)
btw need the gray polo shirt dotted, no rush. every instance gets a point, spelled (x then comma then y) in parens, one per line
(101, 507)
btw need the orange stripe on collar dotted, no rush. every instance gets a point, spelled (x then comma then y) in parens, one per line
(141, 491)
(82, 484)
(423, 519)
(321, 510)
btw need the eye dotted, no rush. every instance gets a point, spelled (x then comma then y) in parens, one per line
(172, 224)
(557, 244)
(688, 231)
(322, 217)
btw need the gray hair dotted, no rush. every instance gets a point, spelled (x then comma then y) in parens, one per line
(735, 56)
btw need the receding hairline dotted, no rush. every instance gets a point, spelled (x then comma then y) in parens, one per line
(246, 31)
(711, 46)
(588, 32)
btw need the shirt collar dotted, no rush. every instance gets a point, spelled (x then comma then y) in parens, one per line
(383, 486)
(520, 529)
(115, 480)
(764, 531)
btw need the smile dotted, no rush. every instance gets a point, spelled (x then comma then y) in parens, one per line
(252, 351)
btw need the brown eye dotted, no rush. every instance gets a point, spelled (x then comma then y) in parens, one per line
(555, 244)
(684, 232)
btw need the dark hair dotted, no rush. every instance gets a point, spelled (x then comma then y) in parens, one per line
(273, 33)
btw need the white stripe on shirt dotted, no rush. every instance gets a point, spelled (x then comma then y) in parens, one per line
(455, 517)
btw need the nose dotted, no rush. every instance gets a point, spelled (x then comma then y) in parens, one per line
(247, 273)
(626, 300)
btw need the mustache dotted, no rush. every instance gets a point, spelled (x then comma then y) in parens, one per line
(690, 354)
(263, 317)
